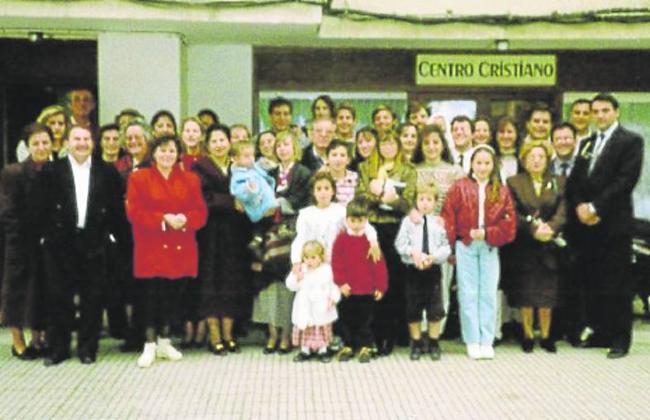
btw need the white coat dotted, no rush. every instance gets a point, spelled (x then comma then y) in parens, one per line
(311, 304)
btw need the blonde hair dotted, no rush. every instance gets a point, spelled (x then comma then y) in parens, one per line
(426, 188)
(295, 141)
(313, 248)
(376, 160)
(236, 148)
(533, 144)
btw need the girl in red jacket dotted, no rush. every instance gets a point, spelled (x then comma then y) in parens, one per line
(479, 218)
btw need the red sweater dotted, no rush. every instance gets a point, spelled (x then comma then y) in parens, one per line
(351, 265)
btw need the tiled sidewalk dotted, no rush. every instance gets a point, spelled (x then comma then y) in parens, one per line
(573, 384)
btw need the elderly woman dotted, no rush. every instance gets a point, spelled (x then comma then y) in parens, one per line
(166, 208)
(224, 267)
(23, 288)
(540, 206)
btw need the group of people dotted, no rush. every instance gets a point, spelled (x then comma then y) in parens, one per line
(321, 232)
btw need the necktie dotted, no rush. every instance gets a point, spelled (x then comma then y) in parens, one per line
(425, 237)
(598, 147)
(564, 169)
(460, 160)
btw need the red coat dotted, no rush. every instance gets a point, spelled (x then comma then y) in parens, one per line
(160, 251)
(460, 212)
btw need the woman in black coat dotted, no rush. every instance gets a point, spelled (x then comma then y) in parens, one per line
(224, 273)
(24, 289)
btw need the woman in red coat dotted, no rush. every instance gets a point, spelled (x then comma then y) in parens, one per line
(166, 208)
(479, 217)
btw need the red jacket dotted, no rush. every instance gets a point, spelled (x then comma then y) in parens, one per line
(160, 251)
(351, 265)
(460, 212)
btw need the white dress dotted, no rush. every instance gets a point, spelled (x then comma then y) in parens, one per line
(316, 295)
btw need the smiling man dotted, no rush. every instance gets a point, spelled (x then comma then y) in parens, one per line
(82, 209)
(599, 194)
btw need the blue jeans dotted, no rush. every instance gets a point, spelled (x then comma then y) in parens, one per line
(477, 267)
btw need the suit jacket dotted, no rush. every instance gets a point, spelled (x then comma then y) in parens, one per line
(609, 187)
(105, 213)
(309, 160)
(297, 193)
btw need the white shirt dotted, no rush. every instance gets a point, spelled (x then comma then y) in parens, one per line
(409, 239)
(81, 175)
(481, 203)
(467, 159)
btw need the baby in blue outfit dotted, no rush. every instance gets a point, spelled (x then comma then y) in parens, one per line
(250, 184)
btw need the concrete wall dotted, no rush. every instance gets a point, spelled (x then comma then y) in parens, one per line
(220, 77)
(141, 71)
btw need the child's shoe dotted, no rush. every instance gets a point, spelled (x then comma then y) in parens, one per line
(365, 354)
(165, 350)
(345, 354)
(434, 350)
(148, 355)
(416, 349)
(487, 351)
(324, 357)
(255, 246)
(474, 351)
(301, 357)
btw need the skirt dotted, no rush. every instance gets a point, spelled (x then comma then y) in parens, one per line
(313, 337)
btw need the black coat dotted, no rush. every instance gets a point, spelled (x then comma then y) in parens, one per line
(105, 214)
(609, 187)
(224, 260)
(24, 287)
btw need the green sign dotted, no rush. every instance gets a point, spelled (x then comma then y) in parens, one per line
(485, 70)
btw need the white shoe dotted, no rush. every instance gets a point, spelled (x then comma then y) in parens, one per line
(165, 350)
(487, 351)
(474, 351)
(148, 355)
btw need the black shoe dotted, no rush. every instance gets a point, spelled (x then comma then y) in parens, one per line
(527, 345)
(548, 344)
(269, 349)
(616, 353)
(284, 350)
(416, 349)
(301, 357)
(434, 352)
(30, 353)
(232, 346)
(386, 347)
(55, 359)
(217, 349)
(88, 359)
(324, 357)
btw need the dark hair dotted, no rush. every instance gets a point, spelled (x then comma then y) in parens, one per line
(563, 125)
(280, 101)
(539, 107)
(426, 131)
(462, 119)
(384, 107)
(606, 97)
(107, 127)
(328, 101)
(347, 107)
(211, 113)
(164, 113)
(336, 143)
(35, 128)
(258, 152)
(216, 127)
(415, 106)
(163, 140)
(358, 207)
(319, 176)
(580, 101)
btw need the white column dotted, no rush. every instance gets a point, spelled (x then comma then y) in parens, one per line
(141, 71)
(220, 77)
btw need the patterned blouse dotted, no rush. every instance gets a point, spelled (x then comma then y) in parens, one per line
(442, 174)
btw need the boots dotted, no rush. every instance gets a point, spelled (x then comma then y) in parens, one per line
(148, 355)
(165, 350)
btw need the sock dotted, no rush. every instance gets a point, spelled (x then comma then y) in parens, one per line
(304, 349)
(322, 350)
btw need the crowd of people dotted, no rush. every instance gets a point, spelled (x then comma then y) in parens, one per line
(321, 232)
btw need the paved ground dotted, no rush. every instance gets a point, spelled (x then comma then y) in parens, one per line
(573, 384)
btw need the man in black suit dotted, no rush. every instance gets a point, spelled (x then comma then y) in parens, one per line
(599, 192)
(83, 210)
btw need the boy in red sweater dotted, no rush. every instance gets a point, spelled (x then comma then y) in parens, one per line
(362, 283)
